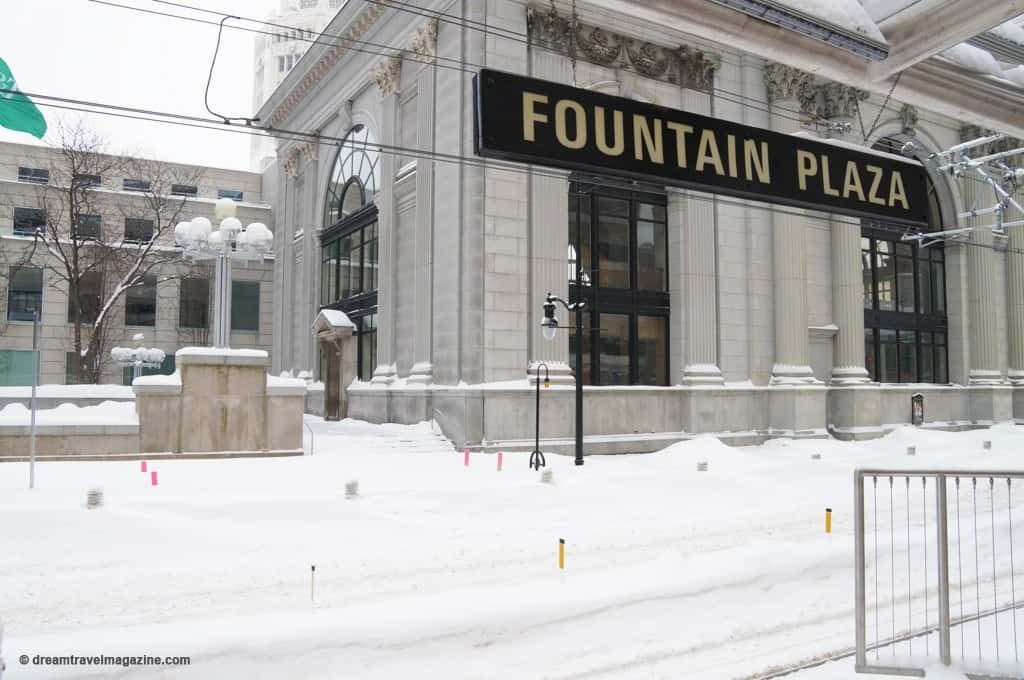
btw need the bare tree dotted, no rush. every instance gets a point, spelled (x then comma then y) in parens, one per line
(96, 244)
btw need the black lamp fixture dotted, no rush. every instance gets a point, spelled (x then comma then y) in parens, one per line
(550, 328)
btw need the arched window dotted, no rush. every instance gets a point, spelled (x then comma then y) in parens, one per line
(905, 331)
(354, 177)
(348, 242)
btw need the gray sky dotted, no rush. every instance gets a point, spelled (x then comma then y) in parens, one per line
(84, 50)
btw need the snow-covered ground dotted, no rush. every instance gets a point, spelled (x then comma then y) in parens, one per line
(440, 571)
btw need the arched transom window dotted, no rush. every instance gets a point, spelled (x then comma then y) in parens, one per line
(354, 177)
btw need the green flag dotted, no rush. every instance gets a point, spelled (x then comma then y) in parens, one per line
(17, 112)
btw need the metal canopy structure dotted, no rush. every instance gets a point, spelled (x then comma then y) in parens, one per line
(914, 33)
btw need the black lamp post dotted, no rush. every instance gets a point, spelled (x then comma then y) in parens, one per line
(550, 325)
(537, 458)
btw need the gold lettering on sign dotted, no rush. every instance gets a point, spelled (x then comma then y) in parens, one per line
(851, 181)
(755, 163)
(531, 117)
(681, 132)
(806, 166)
(707, 152)
(618, 144)
(730, 146)
(825, 180)
(644, 139)
(876, 179)
(580, 140)
(896, 192)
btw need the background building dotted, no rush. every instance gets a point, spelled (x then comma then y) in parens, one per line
(707, 313)
(172, 309)
(296, 24)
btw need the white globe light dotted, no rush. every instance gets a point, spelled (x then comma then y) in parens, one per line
(216, 239)
(225, 207)
(242, 239)
(181, 233)
(259, 236)
(230, 226)
(549, 331)
(200, 229)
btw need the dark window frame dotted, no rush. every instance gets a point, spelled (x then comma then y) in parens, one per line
(233, 194)
(131, 184)
(37, 220)
(135, 228)
(89, 311)
(19, 311)
(919, 322)
(184, 190)
(238, 285)
(135, 299)
(193, 312)
(631, 302)
(88, 227)
(33, 175)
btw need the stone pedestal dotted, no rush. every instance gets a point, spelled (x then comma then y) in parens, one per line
(219, 400)
(335, 333)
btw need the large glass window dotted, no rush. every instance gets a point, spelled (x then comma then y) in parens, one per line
(87, 227)
(194, 303)
(34, 175)
(24, 293)
(245, 306)
(140, 303)
(348, 243)
(138, 230)
(625, 322)
(90, 294)
(28, 220)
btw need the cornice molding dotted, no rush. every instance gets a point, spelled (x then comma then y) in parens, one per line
(685, 66)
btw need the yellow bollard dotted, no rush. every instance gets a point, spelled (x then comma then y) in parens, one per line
(828, 520)
(561, 553)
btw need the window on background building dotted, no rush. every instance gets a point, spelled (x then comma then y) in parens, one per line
(24, 293)
(233, 194)
(16, 366)
(308, 4)
(138, 230)
(619, 238)
(87, 227)
(87, 180)
(28, 220)
(140, 303)
(905, 328)
(70, 368)
(90, 295)
(348, 241)
(245, 306)
(184, 190)
(194, 303)
(334, 4)
(34, 175)
(129, 184)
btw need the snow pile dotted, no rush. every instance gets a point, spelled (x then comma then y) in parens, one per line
(846, 14)
(438, 570)
(1009, 31)
(220, 352)
(69, 392)
(172, 379)
(973, 58)
(107, 413)
(1016, 75)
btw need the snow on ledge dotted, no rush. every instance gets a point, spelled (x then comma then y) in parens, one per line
(69, 392)
(220, 352)
(107, 413)
(279, 387)
(174, 379)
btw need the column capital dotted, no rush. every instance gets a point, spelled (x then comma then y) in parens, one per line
(387, 74)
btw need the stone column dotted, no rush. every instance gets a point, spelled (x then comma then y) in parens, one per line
(847, 278)
(387, 75)
(789, 250)
(981, 298)
(1015, 303)
(423, 368)
(693, 215)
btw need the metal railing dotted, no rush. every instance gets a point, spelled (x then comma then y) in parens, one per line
(936, 576)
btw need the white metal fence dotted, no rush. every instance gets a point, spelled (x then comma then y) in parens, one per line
(937, 571)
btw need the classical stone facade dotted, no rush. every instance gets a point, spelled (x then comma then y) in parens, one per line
(762, 325)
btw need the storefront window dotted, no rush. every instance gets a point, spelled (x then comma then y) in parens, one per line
(626, 285)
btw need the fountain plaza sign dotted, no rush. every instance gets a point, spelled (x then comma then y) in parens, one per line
(545, 123)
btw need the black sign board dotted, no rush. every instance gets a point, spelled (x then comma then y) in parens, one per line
(536, 121)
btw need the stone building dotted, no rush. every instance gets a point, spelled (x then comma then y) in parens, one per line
(170, 312)
(706, 313)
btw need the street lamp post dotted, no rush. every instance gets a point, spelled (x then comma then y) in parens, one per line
(550, 325)
(537, 458)
(229, 242)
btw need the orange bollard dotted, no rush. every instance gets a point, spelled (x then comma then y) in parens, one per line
(466, 458)
(152, 478)
(499, 461)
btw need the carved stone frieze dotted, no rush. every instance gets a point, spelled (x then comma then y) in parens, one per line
(969, 132)
(786, 82)
(685, 66)
(424, 40)
(840, 101)
(387, 75)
